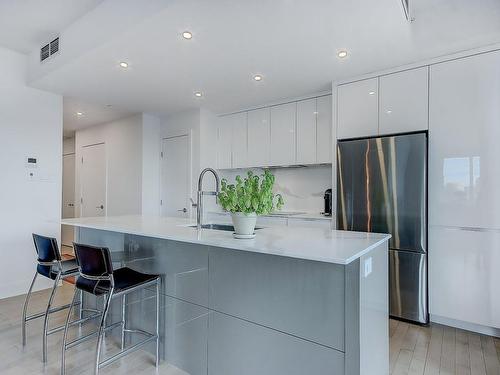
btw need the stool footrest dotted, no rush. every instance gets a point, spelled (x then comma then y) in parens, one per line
(53, 310)
(129, 350)
(96, 314)
(90, 335)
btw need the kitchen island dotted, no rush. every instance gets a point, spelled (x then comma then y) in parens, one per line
(290, 301)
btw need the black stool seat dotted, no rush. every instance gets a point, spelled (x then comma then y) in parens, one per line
(125, 278)
(68, 267)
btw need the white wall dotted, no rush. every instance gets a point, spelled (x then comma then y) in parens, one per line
(123, 140)
(151, 148)
(30, 125)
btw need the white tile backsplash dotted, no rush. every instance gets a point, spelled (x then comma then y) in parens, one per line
(302, 188)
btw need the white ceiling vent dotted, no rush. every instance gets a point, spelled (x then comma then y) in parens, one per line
(49, 49)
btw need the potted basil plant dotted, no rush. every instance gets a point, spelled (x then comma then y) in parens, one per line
(248, 198)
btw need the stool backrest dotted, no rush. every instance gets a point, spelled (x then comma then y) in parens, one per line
(94, 262)
(47, 249)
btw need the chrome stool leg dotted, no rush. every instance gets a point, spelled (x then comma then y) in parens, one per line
(124, 307)
(157, 332)
(65, 334)
(101, 331)
(25, 308)
(46, 318)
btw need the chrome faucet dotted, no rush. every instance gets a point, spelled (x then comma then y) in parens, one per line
(201, 193)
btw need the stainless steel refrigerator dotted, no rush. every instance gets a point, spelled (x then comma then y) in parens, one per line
(382, 187)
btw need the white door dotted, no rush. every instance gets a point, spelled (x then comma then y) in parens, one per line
(93, 180)
(68, 198)
(175, 172)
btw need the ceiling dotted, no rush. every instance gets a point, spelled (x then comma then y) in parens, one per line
(292, 43)
(28, 24)
(91, 114)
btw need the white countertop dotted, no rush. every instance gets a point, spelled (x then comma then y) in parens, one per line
(323, 245)
(302, 215)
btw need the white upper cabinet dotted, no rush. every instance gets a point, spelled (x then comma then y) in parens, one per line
(464, 174)
(324, 129)
(357, 109)
(283, 125)
(240, 140)
(259, 132)
(224, 143)
(306, 131)
(404, 101)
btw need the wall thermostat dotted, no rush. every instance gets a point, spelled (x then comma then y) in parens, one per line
(31, 162)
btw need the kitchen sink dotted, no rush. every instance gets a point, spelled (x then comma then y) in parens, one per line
(226, 227)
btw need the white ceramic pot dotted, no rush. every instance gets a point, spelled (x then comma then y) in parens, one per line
(244, 224)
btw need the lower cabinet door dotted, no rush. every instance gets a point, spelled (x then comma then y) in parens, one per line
(464, 276)
(240, 347)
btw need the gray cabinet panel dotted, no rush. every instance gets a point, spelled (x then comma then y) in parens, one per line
(302, 298)
(183, 266)
(240, 347)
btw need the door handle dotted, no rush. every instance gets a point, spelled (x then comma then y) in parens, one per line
(183, 210)
(101, 207)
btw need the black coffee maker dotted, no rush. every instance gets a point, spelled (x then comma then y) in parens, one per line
(328, 202)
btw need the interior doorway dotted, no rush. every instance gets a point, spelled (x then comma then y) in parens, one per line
(68, 195)
(175, 177)
(93, 180)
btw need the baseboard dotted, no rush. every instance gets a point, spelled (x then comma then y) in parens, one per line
(467, 326)
(20, 287)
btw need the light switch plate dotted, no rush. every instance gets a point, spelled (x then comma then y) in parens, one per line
(368, 267)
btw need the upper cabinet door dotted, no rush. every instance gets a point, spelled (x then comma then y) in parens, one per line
(464, 176)
(306, 131)
(283, 126)
(240, 140)
(259, 132)
(404, 101)
(357, 109)
(224, 143)
(324, 129)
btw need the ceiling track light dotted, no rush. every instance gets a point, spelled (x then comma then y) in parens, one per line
(407, 10)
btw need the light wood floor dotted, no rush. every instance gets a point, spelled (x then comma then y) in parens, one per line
(16, 360)
(413, 349)
(441, 350)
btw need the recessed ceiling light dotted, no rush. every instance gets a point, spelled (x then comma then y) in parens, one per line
(187, 35)
(371, 93)
(257, 77)
(388, 111)
(124, 64)
(342, 54)
(79, 113)
(198, 94)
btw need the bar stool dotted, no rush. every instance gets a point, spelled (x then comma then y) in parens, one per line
(97, 277)
(50, 265)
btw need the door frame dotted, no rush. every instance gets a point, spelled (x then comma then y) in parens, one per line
(189, 136)
(80, 200)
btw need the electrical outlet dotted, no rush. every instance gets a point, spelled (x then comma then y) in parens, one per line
(368, 267)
